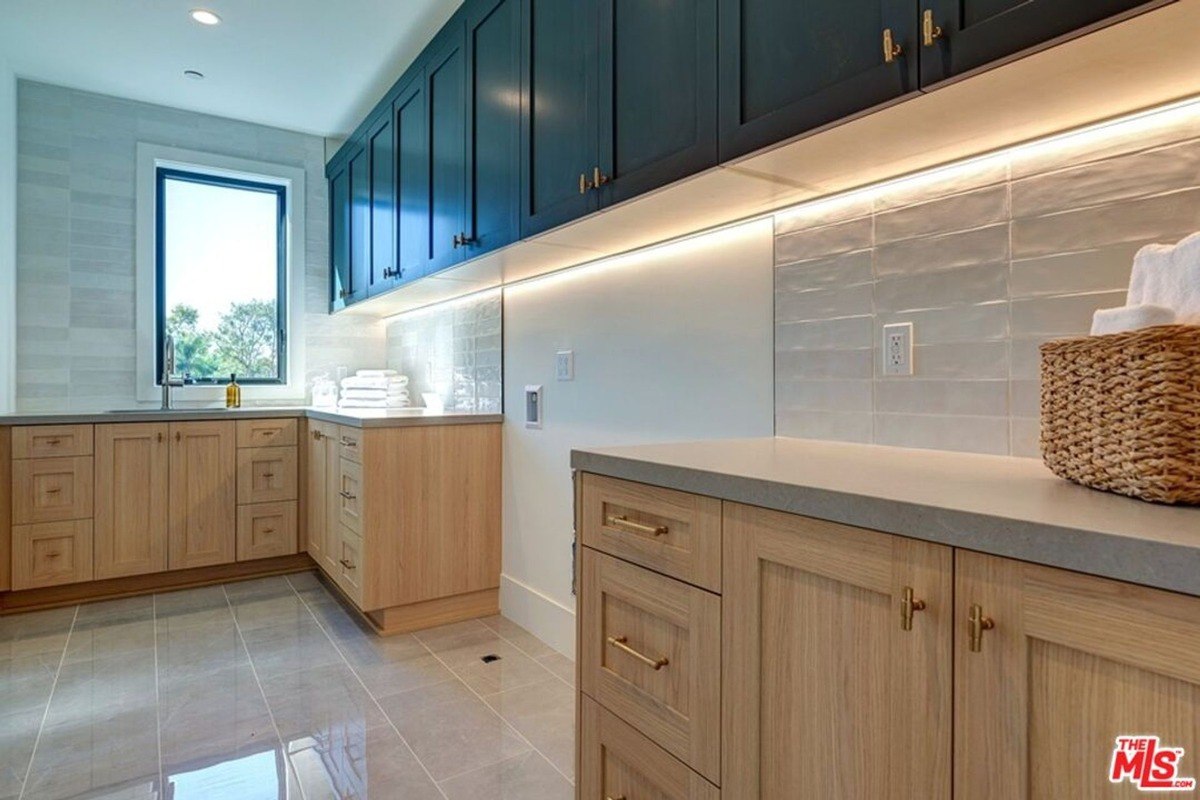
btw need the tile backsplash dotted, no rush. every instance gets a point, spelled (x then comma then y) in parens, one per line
(987, 260)
(453, 350)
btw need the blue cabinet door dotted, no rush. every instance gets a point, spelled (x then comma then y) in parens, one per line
(339, 237)
(445, 91)
(360, 225)
(968, 34)
(412, 179)
(559, 130)
(658, 93)
(788, 67)
(381, 154)
(493, 124)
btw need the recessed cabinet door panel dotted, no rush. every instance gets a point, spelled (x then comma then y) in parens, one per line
(203, 495)
(316, 500)
(445, 87)
(349, 495)
(131, 499)
(789, 67)
(822, 685)
(339, 239)
(1056, 668)
(976, 32)
(658, 93)
(493, 125)
(381, 152)
(360, 225)
(412, 179)
(560, 133)
(51, 554)
(52, 489)
(267, 474)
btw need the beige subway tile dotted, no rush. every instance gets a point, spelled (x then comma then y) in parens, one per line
(920, 396)
(822, 242)
(961, 360)
(1064, 315)
(1026, 397)
(833, 426)
(1026, 434)
(1118, 142)
(831, 334)
(1101, 269)
(850, 301)
(1026, 355)
(1165, 218)
(823, 212)
(930, 254)
(942, 183)
(973, 285)
(824, 364)
(825, 273)
(959, 212)
(824, 395)
(943, 432)
(979, 323)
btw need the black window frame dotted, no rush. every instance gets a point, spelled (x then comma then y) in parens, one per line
(197, 175)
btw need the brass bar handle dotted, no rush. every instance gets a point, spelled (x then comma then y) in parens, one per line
(160, 436)
(53, 555)
(268, 530)
(585, 184)
(930, 32)
(599, 178)
(348, 496)
(318, 435)
(977, 624)
(55, 490)
(619, 642)
(891, 50)
(624, 522)
(346, 564)
(618, 797)
(908, 605)
(53, 442)
(344, 293)
(268, 474)
(348, 442)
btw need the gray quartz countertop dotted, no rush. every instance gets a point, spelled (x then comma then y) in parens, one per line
(1005, 506)
(356, 418)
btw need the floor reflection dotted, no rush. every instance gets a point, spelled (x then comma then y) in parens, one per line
(257, 776)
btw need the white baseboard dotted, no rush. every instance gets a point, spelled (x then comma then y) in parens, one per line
(545, 618)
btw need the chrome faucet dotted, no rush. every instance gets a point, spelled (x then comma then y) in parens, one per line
(169, 378)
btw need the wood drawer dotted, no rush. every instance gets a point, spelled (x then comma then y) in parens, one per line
(51, 554)
(672, 532)
(349, 495)
(267, 475)
(350, 565)
(618, 761)
(266, 530)
(651, 654)
(50, 441)
(350, 440)
(52, 489)
(267, 432)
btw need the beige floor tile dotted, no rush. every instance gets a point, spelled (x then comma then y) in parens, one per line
(355, 764)
(106, 641)
(219, 715)
(315, 701)
(457, 635)
(259, 611)
(525, 777)
(529, 644)
(545, 715)
(288, 647)
(511, 670)
(259, 774)
(560, 665)
(392, 677)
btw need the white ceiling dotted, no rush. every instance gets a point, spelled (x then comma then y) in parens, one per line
(308, 65)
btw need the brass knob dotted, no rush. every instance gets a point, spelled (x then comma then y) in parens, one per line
(908, 605)
(318, 435)
(929, 31)
(977, 623)
(891, 50)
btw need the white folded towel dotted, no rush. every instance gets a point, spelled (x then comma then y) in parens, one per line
(1130, 318)
(389, 403)
(376, 373)
(1168, 276)
(373, 394)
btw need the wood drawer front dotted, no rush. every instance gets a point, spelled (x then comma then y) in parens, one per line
(349, 495)
(618, 761)
(266, 530)
(50, 441)
(267, 475)
(350, 565)
(267, 432)
(350, 440)
(672, 532)
(678, 705)
(52, 489)
(51, 554)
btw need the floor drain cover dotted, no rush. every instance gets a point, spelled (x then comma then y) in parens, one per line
(489, 658)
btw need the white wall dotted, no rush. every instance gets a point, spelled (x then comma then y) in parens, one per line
(670, 344)
(8, 235)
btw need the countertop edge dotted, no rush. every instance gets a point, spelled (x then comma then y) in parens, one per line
(286, 412)
(1160, 565)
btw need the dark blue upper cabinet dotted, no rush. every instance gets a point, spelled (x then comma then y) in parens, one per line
(412, 179)
(339, 237)
(360, 225)
(559, 130)
(788, 67)
(658, 93)
(958, 36)
(493, 124)
(445, 92)
(381, 154)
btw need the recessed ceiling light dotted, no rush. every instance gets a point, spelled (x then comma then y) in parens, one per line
(193, 74)
(205, 17)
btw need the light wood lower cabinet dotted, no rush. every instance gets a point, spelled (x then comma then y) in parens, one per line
(52, 489)
(266, 530)
(320, 464)
(51, 554)
(132, 486)
(203, 494)
(1069, 663)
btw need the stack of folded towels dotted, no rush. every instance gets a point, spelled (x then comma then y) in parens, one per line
(374, 388)
(1163, 290)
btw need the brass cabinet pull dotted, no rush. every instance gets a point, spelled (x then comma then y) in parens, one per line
(318, 435)
(619, 642)
(346, 564)
(347, 495)
(908, 605)
(268, 530)
(159, 436)
(618, 797)
(346, 442)
(53, 442)
(890, 49)
(585, 184)
(55, 490)
(268, 474)
(978, 623)
(598, 178)
(624, 522)
(178, 436)
(462, 240)
(929, 31)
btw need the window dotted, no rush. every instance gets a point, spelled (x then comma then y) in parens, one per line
(221, 276)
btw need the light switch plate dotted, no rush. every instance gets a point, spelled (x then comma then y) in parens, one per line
(898, 348)
(564, 365)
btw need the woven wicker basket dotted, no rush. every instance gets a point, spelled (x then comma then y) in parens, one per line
(1121, 412)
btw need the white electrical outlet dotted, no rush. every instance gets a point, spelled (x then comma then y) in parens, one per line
(898, 349)
(564, 365)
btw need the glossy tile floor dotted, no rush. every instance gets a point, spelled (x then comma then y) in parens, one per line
(270, 689)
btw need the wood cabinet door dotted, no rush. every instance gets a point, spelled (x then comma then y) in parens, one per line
(973, 33)
(316, 488)
(381, 154)
(788, 67)
(412, 179)
(559, 126)
(445, 92)
(333, 529)
(349, 499)
(339, 238)
(657, 93)
(203, 494)
(824, 691)
(360, 224)
(493, 124)
(132, 484)
(266, 530)
(267, 474)
(1069, 663)
(52, 489)
(51, 554)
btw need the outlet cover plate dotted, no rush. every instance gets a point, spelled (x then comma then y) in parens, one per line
(564, 365)
(898, 349)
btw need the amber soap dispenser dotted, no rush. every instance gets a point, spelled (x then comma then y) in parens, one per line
(233, 393)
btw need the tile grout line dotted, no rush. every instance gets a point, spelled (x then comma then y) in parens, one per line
(46, 712)
(262, 693)
(162, 789)
(370, 694)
